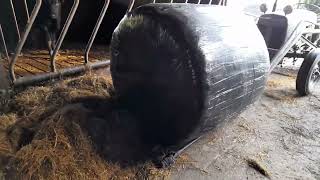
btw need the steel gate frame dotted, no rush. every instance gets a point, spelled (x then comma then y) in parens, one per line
(29, 80)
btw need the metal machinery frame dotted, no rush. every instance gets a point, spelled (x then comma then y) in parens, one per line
(302, 28)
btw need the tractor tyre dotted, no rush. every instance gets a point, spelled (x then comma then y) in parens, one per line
(309, 75)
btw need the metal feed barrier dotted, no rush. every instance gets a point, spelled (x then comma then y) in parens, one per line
(22, 37)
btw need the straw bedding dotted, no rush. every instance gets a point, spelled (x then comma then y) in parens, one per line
(72, 129)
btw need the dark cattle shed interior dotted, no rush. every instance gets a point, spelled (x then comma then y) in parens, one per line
(81, 26)
(159, 89)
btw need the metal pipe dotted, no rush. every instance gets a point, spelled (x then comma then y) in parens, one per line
(185, 147)
(294, 37)
(311, 31)
(311, 5)
(23, 81)
(210, 2)
(95, 31)
(130, 6)
(63, 34)
(171, 1)
(274, 8)
(4, 43)
(199, 1)
(154, 1)
(308, 42)
(27, 10)
(15, 19)
(23, 40)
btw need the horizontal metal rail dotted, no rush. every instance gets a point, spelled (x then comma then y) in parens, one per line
(171, 1)
(25, 81)
(57, 46)
(22, 41)
(311, 31)
(95, 31)
(297, 6)
(62, 35)
(222, 2)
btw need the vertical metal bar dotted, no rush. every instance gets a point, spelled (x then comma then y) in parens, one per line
(154, 1)
(95, 30)
(27, 10)
(4, 43)
(210, 2)
(186, 1)
(62, 35)
(24, 38)
(130, 5)
(199, 1)
(275, 6)
(15, 19)
(171, 1)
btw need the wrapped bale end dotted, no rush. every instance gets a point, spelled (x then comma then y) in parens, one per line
(183, 69)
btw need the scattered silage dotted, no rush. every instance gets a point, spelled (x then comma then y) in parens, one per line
(43, 134)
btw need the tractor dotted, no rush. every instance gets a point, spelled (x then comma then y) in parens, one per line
(294, 33)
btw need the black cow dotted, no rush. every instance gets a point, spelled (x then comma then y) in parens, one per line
(48, 22)
(45, 29)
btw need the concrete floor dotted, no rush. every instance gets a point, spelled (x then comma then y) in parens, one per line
(280, 132)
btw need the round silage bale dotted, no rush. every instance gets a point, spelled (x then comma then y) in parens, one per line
(184, 69)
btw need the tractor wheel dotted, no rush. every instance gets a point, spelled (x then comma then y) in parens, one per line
(308, 79)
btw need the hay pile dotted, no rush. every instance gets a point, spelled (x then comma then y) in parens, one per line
(70, 130)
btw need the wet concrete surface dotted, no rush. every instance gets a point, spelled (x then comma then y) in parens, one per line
(280, 132)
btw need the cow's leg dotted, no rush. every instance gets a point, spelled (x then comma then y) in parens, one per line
(48, 39)
(53, 39)
(55, 21)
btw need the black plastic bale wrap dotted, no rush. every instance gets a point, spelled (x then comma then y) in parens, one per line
(183, 69)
